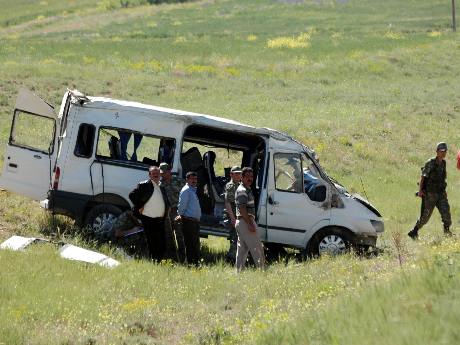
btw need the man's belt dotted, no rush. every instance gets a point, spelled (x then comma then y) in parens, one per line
(190, 219)
(250, 215)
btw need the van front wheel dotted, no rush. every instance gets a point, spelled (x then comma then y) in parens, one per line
(330, 241)
(101, 216)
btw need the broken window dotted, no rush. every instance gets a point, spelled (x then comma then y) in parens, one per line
(125, 145)
(85, 140)
(314, 188)
(33, 132)
(288, 172)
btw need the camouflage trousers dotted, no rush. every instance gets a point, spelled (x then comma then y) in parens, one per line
(175, 245)
(429, 202)
(233, 238)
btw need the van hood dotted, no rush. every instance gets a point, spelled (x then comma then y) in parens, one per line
(366, 203)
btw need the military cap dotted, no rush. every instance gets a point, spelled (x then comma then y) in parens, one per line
(164, 166)
(235, 169)
(442, 146)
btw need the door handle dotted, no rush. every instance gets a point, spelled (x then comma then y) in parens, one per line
(272, 202)
(37, 156)
(13, 165)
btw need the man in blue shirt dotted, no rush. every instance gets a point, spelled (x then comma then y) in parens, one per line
(189, 214)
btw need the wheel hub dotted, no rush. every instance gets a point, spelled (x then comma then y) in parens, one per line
(102, 221)
(332, 245)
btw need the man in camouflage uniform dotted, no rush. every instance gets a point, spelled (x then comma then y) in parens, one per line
(173, 186)
(433, 192)
(230, 210)
(121, 226)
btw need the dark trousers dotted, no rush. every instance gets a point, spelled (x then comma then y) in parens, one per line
(155, 233)
(429, 202)
(191, 232)
(233, 237)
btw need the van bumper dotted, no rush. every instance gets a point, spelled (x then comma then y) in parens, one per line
(66, 203)
(44, 204)
(364, 240)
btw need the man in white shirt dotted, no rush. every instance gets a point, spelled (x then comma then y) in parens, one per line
(151, 205)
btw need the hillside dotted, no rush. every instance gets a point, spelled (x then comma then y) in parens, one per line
(371, 85)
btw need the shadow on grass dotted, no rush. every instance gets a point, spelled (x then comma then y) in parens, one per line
(61, 229)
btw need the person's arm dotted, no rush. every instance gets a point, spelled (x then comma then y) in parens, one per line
(247, 218)
(421, 192)
(183, 203)
(228, 207)
(426, 170)
(242, 200)
(135, 220)
(135, 197)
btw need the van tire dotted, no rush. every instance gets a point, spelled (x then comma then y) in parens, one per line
(331, 240)
(99, 215)
(274, 252)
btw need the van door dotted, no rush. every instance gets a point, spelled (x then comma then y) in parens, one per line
(291, 212)
(29, 155)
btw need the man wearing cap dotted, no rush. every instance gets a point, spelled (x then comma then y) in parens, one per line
(230, 210)
(246, 227)
(172, 186)
(433, 191)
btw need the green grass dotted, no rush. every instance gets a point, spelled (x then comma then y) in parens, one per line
(141, 302)
(420, 306)
(372, 86)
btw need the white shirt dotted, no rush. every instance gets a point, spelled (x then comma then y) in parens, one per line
(155, 206)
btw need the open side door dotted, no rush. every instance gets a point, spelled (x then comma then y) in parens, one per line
(27, 165)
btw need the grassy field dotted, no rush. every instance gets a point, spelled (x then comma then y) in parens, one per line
(370, 85)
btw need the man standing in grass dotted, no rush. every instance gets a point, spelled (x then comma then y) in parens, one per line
(246, 227)
(172, 187)
(189, 214)
(433, 192)
(230, 210)
(151, 205)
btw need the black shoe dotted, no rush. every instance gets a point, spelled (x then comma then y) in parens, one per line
(413, 234)
(448, 233)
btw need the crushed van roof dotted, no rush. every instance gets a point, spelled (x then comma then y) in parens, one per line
(195, 118)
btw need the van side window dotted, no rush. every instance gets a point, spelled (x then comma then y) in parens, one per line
(314, 188)
(130, 146)
(33, 132)
(288, 172)
(85, 141)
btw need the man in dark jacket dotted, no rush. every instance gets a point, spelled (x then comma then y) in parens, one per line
(151, 206)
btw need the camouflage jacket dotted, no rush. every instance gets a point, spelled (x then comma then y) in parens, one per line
(229, 194)
(173, 190)
(435, 176)
(124, 221)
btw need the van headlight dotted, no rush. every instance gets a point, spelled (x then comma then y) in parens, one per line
(378, 225)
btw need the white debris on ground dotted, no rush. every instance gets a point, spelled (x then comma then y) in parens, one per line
(72, 252)
(67, 251)
(19, 242)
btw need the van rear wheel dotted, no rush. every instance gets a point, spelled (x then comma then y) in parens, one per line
(330, 241)
(102, 216)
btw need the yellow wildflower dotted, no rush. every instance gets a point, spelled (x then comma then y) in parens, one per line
(434, 34)
(301, 41)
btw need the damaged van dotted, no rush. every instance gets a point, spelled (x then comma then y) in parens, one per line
(83, 161)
